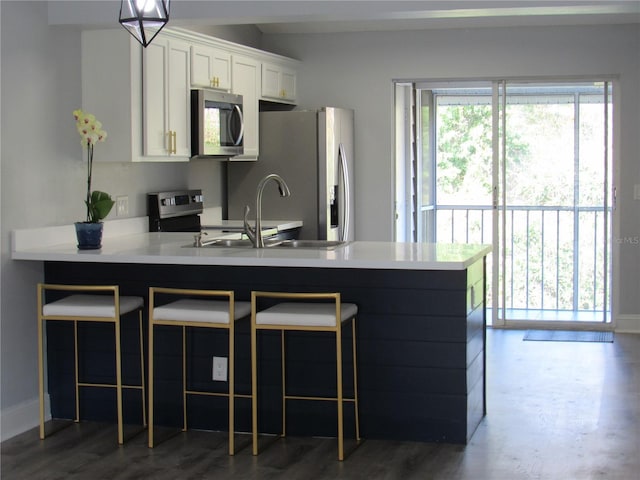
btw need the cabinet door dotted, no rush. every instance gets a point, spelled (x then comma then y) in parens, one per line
(179, 99)
(166, 120)
(278, 83)
(210, 68)
(288, 84)
(246, 82)
(270, 80)
(155, 98)
(221, 62)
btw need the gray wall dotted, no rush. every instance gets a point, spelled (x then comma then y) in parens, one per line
(248, 35)
(42, 169)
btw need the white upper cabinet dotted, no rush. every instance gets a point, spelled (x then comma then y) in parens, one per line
(210, 67)
(278, 83)
(246, 82)
(166, 99)
(143, 96)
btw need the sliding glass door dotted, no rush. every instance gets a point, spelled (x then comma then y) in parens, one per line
(525, 167)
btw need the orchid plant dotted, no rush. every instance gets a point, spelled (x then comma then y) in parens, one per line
(98, 203)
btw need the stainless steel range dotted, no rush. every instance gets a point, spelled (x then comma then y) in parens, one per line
(175, 211)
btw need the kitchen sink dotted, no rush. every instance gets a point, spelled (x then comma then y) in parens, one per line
(317, 244)
(234, 243)
(228, 243)
(246, 243)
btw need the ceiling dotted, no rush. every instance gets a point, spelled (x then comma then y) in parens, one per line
(312, 16)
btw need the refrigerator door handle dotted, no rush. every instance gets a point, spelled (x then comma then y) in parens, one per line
(342, 161)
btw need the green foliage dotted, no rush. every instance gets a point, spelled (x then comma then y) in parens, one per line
(465, 153)
(99, 206)
(547, 252)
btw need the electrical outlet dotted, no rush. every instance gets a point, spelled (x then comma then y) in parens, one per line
(636, 191)
(220, 369)
(122, 206)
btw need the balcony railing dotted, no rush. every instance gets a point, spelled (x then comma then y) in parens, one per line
(554, 255)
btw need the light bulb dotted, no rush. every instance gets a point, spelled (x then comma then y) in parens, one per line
(145, 6)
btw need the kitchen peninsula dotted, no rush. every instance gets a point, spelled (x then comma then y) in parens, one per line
(421, 328)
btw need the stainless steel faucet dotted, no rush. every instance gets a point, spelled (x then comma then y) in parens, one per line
(255, 234)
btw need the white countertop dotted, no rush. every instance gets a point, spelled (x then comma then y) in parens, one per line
(124, 246)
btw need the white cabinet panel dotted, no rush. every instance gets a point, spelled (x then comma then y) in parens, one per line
(288, 82)
(179, 98)
(278, 83)
(246, 82)
(210, 68)
(155, 122)
(166, 120)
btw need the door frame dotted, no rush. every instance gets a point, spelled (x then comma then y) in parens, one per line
(500, 220)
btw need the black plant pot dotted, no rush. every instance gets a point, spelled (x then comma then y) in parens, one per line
(89, 235)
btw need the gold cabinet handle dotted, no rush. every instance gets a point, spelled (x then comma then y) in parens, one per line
(215, 82)
(172, 142)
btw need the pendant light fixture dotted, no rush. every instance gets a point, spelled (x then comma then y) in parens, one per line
(144, 18)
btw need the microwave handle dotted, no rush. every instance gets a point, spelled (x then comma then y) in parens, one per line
(241, 134)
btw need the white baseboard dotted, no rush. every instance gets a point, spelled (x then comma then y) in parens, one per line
(22, 417)
(628, 324)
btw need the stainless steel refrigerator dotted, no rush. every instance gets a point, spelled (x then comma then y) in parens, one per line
(313, 152)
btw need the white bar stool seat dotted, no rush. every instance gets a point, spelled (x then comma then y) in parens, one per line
(91, 306)
(84, 305)
(305, 314)
(319, 312)
(191, 310)
(201, 312)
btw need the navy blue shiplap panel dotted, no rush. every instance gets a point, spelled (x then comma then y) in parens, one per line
(60, 360)
(96, 353)
(420, 340)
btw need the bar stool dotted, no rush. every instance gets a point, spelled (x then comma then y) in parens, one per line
(199, 312)
(305, 312)
(90, 303)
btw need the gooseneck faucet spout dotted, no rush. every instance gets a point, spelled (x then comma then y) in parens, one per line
(255, 234)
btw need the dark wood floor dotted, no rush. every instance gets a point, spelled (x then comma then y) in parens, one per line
(556, 410)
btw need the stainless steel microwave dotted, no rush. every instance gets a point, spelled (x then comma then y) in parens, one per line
(217, 124)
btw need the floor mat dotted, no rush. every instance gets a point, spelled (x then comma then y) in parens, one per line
(568, 336)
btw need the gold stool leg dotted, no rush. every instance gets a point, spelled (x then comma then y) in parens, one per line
(254, 380)
(143, 391)
(41, 362)
(340, 395)
(119, 382)
(231, 388)
(150, 434)
(76, 368)
(284, 387)
(184, 379)
(355, 379)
